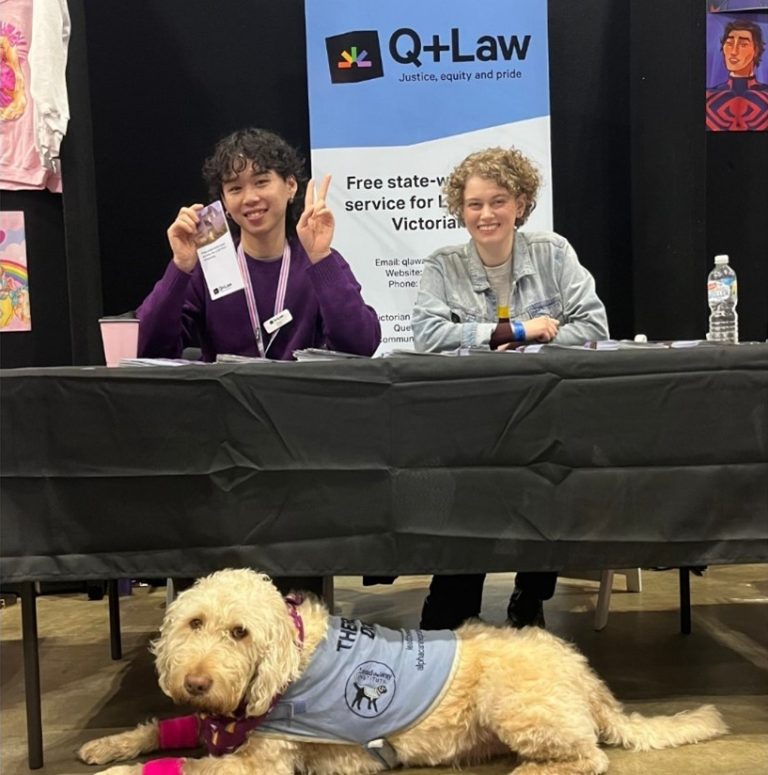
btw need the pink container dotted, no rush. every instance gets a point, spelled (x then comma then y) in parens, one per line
(120, 337)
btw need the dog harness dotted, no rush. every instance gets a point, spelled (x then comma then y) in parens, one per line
(365, 683)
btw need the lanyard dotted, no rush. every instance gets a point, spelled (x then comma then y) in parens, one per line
(282, 284)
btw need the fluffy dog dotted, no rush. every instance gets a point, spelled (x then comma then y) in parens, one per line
(233, 645)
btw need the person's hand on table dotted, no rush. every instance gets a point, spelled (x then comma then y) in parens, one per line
(541, 329)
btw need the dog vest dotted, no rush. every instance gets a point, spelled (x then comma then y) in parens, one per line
(365, 683)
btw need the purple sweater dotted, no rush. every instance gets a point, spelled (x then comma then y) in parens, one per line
(324, 299)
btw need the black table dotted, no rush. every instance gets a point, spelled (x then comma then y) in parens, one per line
(496, 462)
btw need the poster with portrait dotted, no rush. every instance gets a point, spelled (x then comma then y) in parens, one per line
(399, 93)
(737, 66)
(14, 280)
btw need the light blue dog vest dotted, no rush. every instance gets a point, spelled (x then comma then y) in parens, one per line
(365, 683)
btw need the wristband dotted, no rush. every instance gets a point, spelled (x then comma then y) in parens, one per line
(518, 331)
(163, 767)
(182, 732)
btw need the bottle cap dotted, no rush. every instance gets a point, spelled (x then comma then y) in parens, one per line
(503, 312)
(721, 260)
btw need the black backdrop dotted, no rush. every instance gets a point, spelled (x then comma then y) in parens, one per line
(643, 193)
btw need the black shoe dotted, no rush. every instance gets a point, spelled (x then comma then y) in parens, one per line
(524, 610)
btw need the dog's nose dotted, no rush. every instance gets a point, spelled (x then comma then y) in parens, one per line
(197, 684)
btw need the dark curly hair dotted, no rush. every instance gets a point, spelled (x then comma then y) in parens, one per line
(263, 151)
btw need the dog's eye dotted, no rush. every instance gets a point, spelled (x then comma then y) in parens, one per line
(196, 624)
(238, 633)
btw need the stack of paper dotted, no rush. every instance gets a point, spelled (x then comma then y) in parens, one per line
(229, 358)
(159, 362)
(318, 354)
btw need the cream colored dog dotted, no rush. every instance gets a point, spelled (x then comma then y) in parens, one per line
(232, 641)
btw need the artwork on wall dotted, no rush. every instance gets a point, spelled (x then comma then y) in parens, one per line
(737, 66)
(14, 280)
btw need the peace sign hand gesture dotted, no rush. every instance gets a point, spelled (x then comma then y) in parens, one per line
(316, 225)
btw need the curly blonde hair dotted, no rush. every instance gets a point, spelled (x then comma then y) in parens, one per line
(507, 167)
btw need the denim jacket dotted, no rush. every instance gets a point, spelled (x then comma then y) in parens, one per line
(455, 306)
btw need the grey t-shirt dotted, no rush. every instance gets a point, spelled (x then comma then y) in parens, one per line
(500, 280)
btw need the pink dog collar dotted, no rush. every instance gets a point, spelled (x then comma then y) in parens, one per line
(293, 603)
(182, 732)
(222, 735)
(163, 767)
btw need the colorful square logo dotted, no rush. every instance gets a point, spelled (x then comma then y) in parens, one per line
(354, 56)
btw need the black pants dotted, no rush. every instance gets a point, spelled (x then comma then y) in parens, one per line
(287, 584)
(454, 599)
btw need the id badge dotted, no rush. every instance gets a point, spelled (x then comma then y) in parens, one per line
(278, 321)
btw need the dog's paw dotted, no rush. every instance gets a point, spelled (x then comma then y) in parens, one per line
(121, 747)
(99, 751)
(106, 749)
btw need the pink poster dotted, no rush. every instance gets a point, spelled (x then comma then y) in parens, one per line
(14, 281)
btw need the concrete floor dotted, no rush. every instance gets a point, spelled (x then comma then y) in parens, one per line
(641, 655)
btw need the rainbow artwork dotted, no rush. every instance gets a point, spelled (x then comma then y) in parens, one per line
(14, 280)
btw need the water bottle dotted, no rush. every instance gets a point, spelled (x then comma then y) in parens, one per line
(722, 293)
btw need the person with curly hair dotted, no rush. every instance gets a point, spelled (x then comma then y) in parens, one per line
(284, 236)
(501, 289)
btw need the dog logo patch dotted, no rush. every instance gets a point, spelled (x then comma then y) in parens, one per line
(370, 689)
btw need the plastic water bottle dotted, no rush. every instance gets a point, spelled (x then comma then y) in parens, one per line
(722, 293)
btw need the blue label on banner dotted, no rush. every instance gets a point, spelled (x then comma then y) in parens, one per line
(405, 72)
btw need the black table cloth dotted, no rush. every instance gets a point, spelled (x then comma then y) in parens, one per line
(495, 462)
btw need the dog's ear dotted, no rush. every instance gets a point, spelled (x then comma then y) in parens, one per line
(279, 653)
(159, 647)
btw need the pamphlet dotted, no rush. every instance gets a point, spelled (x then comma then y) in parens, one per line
(397, 352)
(231, 358)
(320, 354)
(604, 345)
(159, 362)
(216, 252)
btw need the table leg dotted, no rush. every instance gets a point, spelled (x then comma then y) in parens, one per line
(115, 641)
(31, 676)
(685, 601)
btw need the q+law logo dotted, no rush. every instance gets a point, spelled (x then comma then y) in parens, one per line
(354, 56)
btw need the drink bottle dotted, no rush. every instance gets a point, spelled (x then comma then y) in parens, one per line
(722, 294)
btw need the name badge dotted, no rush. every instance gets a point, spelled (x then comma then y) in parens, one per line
(278, 321)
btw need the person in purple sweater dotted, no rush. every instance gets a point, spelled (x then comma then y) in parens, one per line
(290, 265)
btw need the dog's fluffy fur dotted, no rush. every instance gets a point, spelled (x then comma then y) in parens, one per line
(525, 691)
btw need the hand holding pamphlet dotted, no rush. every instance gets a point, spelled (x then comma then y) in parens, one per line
(216, 252)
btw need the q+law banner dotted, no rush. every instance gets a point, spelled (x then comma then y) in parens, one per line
(399, 93)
